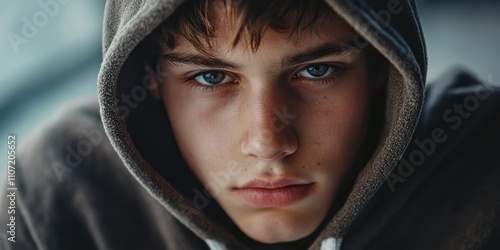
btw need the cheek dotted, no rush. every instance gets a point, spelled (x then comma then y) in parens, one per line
(350, 115)
(337, 128)
(201, 131)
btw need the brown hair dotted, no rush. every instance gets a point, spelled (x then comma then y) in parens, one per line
(194, 20)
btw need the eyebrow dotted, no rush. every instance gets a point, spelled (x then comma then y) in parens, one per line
(323, 50)
(201, 60)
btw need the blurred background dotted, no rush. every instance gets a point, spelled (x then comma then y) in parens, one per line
(49, 56)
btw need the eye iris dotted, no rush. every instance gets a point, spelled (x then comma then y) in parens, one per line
(213, 77)
(317, 70)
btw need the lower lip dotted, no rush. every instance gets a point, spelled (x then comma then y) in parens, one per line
(276, 197)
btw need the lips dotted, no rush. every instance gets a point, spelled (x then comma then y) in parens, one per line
(283, 192)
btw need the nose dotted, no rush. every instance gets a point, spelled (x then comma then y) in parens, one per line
(270, 133)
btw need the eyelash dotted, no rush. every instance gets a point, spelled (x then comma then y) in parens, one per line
(191, 82)
(205, 88)
(338, 70)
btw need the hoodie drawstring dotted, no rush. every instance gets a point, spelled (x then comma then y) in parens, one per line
(215, 245)
(327, 244)
(331, 244)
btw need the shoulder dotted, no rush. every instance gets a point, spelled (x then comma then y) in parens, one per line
(449, 173)
(68, 140)
(458, 96)
(445, 189)
(459, 123)
(458, 129)
(458, 133)
(59, 174)
(63, 158)
(76, 193)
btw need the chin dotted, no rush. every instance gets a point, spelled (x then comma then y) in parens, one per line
(278, 227)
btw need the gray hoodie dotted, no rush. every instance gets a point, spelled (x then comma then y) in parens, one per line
(87, 185)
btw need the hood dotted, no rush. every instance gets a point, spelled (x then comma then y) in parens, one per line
(392, 27)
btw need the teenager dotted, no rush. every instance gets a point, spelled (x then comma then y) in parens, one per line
(265, 125)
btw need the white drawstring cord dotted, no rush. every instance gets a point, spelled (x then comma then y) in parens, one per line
(327, 244)
(215, 245)
(331, 244)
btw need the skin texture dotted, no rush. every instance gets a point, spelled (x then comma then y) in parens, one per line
(268, 120)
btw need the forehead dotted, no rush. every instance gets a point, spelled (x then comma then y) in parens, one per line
(328, 28)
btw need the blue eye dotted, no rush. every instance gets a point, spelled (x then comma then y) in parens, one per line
(316, 71)
(212, 77)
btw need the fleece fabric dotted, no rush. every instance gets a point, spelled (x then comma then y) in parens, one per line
(430, 183)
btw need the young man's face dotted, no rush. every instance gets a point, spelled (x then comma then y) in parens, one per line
(270, 133)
